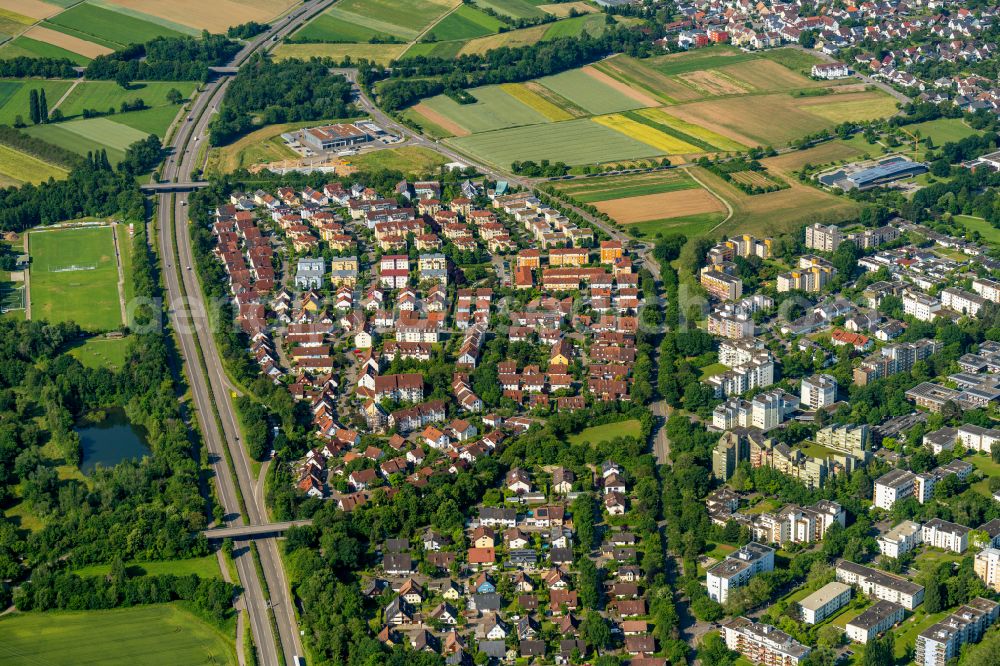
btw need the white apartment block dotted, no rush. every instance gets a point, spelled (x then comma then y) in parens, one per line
(879, 617)
(987, 566)
(824, 238)
(734, 413)
(942, 642)
(920, 306)
(824, 602)
(988, 289)
(962, 301)
(978, 437)
(730, 325)
(796, 524)
(880, 585)
(762, 643)
(768, 410)
(900, 540)
(944, 535)
(818, 391)
(737, 569)
(900, 484)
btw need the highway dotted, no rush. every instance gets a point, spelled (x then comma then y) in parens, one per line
(190, 321)
(246, 531)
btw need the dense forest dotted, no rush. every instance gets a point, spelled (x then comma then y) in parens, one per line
(280, 92)
(164, 59)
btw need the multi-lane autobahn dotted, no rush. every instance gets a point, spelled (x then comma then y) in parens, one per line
(209, 385)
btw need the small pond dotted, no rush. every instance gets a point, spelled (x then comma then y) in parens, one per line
(111, 440)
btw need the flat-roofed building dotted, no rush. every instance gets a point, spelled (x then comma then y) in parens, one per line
(900, 540)
(893, 486)
(880, 616)
(939, 533)
(880, 584)
(737, 569)
(824, 602)
(762, 643)
(942, 642)
(987, 566)
(818, 391)
(823, 238)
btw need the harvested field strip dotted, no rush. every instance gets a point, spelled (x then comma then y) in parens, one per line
(71, 42)
(634, 73)
(139, 9)
(513, 8)
(753, 178)
(556, 99)
(532, 99)
(646, 134)
(562, 10)
(623, 189)
(767, 75)
(690, 129)
(712, 84)
(33, 9)
(32, 48)
(660, 206)
(440, 120)
(639, 117)
(620, 87)
(852, 106)
(213, 16)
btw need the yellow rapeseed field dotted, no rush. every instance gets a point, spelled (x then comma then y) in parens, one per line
(530, 98)
(646, 134)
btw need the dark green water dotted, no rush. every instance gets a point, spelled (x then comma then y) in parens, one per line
(111, 441)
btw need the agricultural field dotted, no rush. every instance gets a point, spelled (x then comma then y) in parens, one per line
(203, 567)
(432, 50)
(82, 136)
(14, 96)
(142, 635)
(512, 38)
(664, 206)
(361, 20)
(466, 22)
(517, 9)
(635, 129)
(17, 167)
(74, 277)
(102, 95)
(13, 23)
(590, 92)
(543, 101)
(109, 28)
(578, 141)
(32, 48)
(495, 109)
(604, 188)
(194, 16)
(940, 131)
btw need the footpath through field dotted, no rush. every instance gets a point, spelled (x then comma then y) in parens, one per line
(121, 273)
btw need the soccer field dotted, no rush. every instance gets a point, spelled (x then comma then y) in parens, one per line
(74, 277)
(143, 635)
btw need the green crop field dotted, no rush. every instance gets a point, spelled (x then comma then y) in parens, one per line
(142, 635)
(329, 28)
(74, 277)
(495, 109)
(14, 97)
(513, 8)
(360, 20)
(465, 22)
(604, 188)
(149, 121)
(434, 49)
(573, 27)
(587, 92)
(692, 61)
(107, 27)
(26, 168)
(102, 95)
(573, 142)
(104, 132)
(606, 432)
(692, 226)
(203, 567)
(101, 353)
(60, 136)
(32, 48)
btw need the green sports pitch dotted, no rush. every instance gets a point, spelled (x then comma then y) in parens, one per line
(74, 277)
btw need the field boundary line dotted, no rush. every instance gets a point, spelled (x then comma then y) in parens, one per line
(435, 23)
(121, 274)
(715, 194)
(62, 99)
(27, 280)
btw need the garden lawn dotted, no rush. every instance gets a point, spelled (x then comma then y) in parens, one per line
(906, 632)
(573, 142)
(990, 233)
(203, 567)
(138, 636)
(606, 432)
(941, 131)
(691, 226)
(102, 95)
(107, 27)
(74, 277)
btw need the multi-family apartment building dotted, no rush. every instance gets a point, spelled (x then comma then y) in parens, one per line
(796, 524)
(920, 305)
(988, 289)
(962, 302)
(987, 567)
(900, 540)
(893, 359)
(762, 643)
(818, 391)
(812, 274)
(824, 602)
(740, 246)
(880, 585)
(752, 367)
(942, 642)
(825, 238)
(945, 535)
(720, 281)
(737, 569)
(765, 411)
(877, 618)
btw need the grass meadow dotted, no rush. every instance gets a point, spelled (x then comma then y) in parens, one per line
(608, 431)
(101, 352)
(137, 636)
(106, 27)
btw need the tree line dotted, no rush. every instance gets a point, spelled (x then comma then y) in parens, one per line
(39, 148)
(164, 59)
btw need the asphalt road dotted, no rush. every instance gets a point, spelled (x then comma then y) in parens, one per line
(191, 324)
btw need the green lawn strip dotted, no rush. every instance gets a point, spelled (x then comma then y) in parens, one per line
(666, 129)
(141, 636)
(102, 95)
(203, 567)
(149, 121)
(990, 233)
(27, 168)
(434, 49)
(906, 633)
(608, 431)
(794, 59)
(575, 26)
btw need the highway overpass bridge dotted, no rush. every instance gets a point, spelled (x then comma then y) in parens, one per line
(159, 188)
(251, 531)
